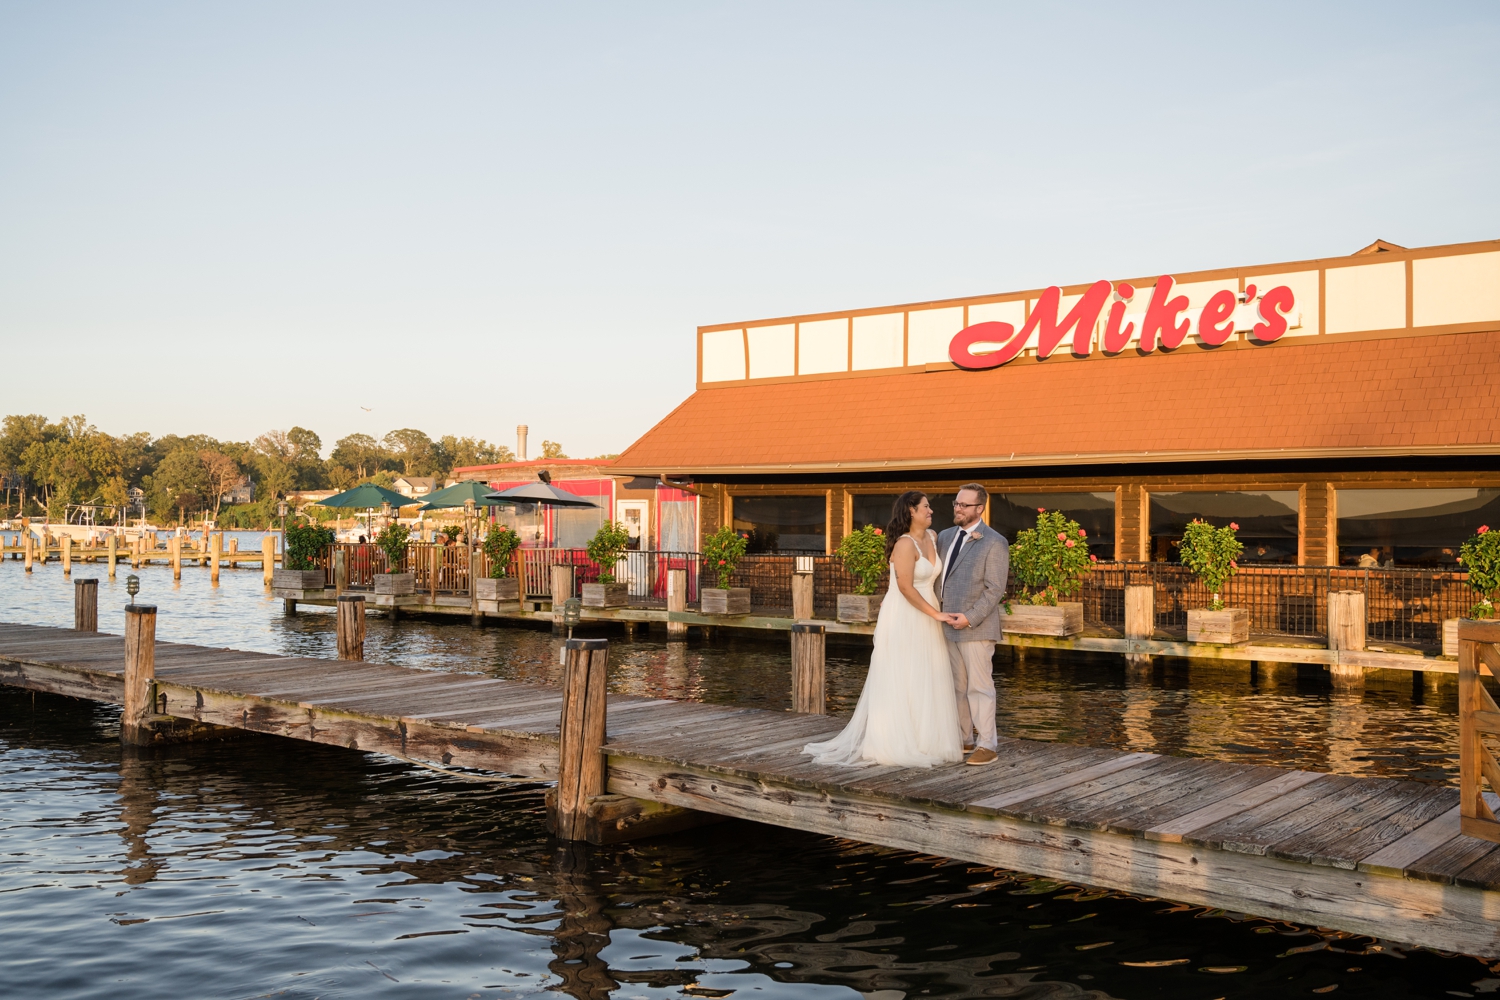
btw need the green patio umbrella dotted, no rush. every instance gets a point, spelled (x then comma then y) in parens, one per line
(367, 496)
(460, 493)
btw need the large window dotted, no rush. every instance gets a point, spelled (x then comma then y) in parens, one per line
(783, 524)
(1267, 522)
(876, 509)
(1094, 512)
(1411, 527)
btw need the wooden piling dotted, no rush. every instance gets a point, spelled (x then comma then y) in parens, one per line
(580, 764)
(140, 674)
(1346, 631)
(340, 572)
(267, 560)
(215, 552)
(475, 560)
(351, 626)
(175, 546)
(676, 601)
(562, 586)
(65, 544)
(809, 687)
(802, 596)
(27, 547)
(136, 548)
(112, 548)
(437, 569)
(1140, 623)
(86, 605)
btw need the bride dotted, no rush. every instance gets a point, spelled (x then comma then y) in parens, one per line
(907, 715)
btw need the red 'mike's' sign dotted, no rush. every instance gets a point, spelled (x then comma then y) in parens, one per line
(993, 343)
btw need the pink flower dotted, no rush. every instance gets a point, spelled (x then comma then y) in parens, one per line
(1070, 543)
(1061, 535)
(1093, 558)
(1234, 564)
(1233, 526)
(879, 532)
(721, 562)
(1082, 533)
(1484, 529)
(1041, 510)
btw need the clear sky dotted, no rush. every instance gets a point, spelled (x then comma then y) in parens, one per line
(227, 218)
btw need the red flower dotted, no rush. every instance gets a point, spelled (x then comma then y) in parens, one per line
(1070, 543)
(1233, 526)
(1041, 510)
(721, 562)
(879, 532)
(1061, 535)
(1484, 529)
(1093, 558)
(1234, 564)
(1082, 533)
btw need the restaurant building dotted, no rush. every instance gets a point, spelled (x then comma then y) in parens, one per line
(1341, 411)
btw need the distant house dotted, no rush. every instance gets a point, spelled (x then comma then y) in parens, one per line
(415, 487)
(241, 492)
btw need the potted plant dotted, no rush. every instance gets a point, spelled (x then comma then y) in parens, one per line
(1480, 555)
(722, 552)
(499, 545)
(1211, 553)
(394, 583)
(605, 549)
(305, 544)
(1049, 563)
(863, 553)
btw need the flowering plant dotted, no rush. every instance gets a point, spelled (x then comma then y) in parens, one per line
(392, 541)
(1480, 555)
(605, 548)
(305, 544)
(499, 545)
(1211, 553)
(723, 551)
(1050, 560)
(863, 553)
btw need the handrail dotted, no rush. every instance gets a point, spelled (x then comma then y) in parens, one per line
(1478, 717)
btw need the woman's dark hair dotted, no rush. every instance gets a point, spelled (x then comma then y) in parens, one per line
(901, 518)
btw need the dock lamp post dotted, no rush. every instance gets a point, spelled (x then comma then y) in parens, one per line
(132, 586)
(385, 513)
(281, 513)
(572, 615)
(469, 524)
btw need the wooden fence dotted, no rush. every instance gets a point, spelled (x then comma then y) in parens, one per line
(1478, 717)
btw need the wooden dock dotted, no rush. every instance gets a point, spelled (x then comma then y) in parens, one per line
(1371, 856)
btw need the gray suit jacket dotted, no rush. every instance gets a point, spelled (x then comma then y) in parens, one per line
(976, 585)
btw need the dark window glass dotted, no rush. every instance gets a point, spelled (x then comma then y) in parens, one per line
(875, 508)
(1267, 522)
(783, 524)
(1411, 527)
(1094, 512)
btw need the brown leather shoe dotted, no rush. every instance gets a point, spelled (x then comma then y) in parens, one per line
(982, 756)
(968, 748)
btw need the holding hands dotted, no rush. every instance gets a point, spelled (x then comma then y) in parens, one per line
(956, 620)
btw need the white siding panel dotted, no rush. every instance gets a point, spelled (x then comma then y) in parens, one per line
(1464, 288)
(823, 346)
(1366, 297)
(723, 355)
(772, 350)
(878, 341)
(929, 332)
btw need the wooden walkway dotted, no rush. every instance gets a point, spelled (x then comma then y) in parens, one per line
(1367, 855)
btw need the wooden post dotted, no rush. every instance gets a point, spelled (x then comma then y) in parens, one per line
(437, 568)
(1140, 623)
(340, 571)
(267, 560)
(214, 552)
(175, 545)
(581, 765)
(66, 544)
(808, 685)
(1478, 717)
(136, 548)
(802, 596)
(140, 674)
(676, 601)
(112, 546)
(1346, 632)
(351, 626)
(27, 550)
(562, 586)
(474, 560)
(86, 605)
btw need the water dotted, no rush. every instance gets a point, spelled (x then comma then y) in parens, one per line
(266, 867)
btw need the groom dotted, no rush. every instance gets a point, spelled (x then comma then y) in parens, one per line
(976, 564)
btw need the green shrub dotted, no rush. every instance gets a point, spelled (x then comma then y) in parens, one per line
(1050, 560)
(500, 544)
(606, 546)
(1211, 553)
(1480, 555)
(305, 544)
(863, 553)
(723, 551)
(392, 541)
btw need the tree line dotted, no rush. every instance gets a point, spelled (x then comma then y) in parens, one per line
(51, 468)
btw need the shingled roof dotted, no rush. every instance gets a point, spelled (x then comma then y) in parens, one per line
(1405, 396)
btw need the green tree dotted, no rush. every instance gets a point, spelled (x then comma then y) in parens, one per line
(452, 452)
(412, 449)
(180, 483)
(551, 449)
(359, 453)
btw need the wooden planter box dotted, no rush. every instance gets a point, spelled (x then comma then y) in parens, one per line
(611, 595)
(505, 588)
(718, 601)
(395, 584)
(858, 607)
(298, 579)
(1039, 619)
(1225, 627)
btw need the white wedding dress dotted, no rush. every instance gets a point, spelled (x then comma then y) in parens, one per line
(907, 714)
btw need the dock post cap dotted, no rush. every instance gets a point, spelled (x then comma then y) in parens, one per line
(351, 597)
(809, 627)
(86, 581)
(587, 644)
(140, 609)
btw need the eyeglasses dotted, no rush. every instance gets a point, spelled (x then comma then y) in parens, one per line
(957, 504)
